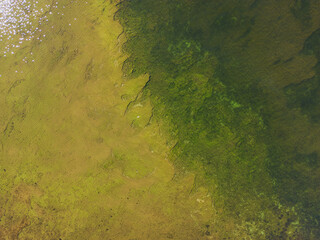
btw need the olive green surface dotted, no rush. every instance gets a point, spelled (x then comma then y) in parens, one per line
(237, 85)
(167, 119)
(72, 164)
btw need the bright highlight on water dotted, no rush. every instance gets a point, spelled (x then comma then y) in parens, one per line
(20, 20)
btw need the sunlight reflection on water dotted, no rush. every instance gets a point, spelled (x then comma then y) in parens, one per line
(19, 21)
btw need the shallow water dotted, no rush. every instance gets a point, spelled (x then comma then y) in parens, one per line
(73, 166)
(237, 83)
(159, 119)
(20, 21)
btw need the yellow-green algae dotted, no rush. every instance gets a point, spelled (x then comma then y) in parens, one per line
(226, 89)
(73, 164)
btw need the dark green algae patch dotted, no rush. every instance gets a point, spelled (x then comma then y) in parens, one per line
(236, 84)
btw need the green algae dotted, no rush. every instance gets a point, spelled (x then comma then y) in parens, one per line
(216, 83)
(301, 10)
(84, 152)
(76, 162)
(305, 94)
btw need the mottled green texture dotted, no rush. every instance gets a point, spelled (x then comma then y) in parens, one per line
(228, 87)
(75, 162)
(306, 94)
(301, 10)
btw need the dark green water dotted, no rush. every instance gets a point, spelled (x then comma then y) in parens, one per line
(237, 84)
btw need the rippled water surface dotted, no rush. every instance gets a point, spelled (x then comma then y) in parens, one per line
(20, 21)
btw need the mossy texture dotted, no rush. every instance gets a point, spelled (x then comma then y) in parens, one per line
(74, 163)
(227, 82)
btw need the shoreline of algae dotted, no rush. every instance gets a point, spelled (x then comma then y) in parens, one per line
(72, 166)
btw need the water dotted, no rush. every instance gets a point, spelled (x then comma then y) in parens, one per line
(21, 21)
(159, 119)
(237, 84)
(72, 165)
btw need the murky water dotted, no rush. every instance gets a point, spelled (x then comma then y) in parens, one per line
(237, 83)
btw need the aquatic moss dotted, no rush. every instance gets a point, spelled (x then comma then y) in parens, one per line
(305, 95)
(301, 11)
(223, 122)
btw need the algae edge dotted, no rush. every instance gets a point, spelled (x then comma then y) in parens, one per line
(219, 126)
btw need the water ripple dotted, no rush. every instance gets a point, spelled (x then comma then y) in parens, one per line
(19, 22)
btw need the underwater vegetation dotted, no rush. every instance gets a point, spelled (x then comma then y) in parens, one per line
(305, 94)
(237, 86)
